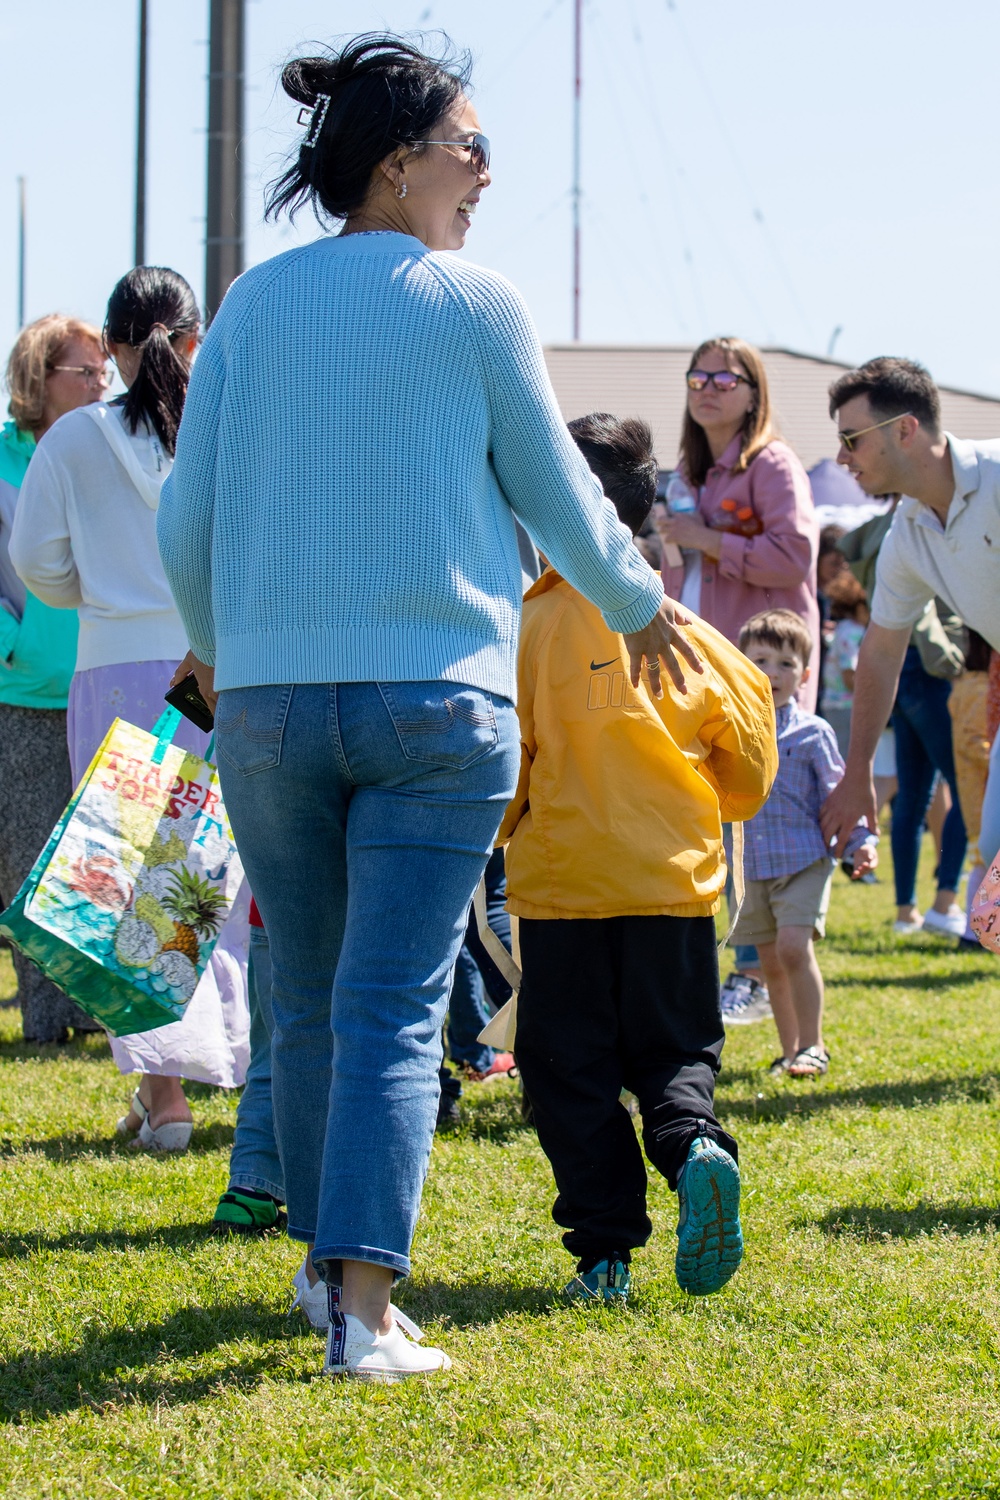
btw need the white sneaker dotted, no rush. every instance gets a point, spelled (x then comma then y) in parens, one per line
(315, 1304)
(352, 1350)
(744, 1000)
(950, 922)
(907, 929)
(312, 1300)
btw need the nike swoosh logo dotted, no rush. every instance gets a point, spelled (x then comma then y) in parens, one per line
(595, 666)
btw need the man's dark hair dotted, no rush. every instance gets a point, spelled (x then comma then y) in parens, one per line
(620, 452)
(379, 93)
(894, 387)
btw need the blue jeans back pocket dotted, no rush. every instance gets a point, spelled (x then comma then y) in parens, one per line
(441, 723)
(249, 724)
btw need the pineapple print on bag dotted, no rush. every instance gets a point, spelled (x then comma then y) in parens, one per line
(198, 907)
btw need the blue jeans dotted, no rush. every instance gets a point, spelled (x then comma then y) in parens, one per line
(989, 827)
(254, 1161)
(922, 725)
(364, 814)
(476, 976)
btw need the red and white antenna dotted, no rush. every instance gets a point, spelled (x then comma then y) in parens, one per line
(577, 186)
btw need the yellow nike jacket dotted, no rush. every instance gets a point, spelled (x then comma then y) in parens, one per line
(621, 796)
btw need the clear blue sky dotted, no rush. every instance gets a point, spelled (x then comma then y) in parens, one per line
(773, 169)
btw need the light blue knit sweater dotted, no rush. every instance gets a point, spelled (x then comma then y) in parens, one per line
(362, 419)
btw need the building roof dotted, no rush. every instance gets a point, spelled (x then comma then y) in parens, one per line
(647, 380)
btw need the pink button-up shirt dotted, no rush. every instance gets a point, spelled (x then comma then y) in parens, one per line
(775, 570)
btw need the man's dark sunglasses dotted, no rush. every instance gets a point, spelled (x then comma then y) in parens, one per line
(479, 151)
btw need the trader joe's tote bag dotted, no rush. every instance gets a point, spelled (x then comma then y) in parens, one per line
(125, 902)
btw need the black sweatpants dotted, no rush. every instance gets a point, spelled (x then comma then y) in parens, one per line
(622, 1002)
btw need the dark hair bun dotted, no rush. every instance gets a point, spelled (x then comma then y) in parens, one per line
(383, 94)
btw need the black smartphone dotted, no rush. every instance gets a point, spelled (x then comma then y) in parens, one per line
(186, 697)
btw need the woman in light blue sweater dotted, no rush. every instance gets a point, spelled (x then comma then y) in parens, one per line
(367, 738)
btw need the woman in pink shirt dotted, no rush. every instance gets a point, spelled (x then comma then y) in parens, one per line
(752, 541)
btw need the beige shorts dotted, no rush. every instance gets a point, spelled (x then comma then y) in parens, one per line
(799, 900)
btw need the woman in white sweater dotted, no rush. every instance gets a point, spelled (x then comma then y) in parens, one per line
(84, 538)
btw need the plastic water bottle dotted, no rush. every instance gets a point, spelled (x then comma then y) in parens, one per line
(680, 502)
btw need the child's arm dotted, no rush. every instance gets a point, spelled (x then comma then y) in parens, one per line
(738, 730)
(828, 771)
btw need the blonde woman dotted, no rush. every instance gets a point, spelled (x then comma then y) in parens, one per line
(752, 539)
(56, 365)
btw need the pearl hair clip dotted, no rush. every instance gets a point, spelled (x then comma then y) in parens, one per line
(314, 118)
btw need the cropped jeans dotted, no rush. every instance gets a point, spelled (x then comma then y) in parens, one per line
(364, 814)
(254, 1162)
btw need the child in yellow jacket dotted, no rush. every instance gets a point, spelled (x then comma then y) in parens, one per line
(615, 867)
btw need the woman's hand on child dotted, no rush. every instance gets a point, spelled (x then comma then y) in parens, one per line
(656, 644)
(204, 676)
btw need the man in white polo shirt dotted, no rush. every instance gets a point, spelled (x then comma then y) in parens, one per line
(944, 540)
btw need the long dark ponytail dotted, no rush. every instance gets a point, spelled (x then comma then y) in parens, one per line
(153, 309)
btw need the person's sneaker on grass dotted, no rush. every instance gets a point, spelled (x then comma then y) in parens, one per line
(353, 1350)
(709, 1237)
(744, 1000)
(950, 923)
(605, 1280)
(241, 1211)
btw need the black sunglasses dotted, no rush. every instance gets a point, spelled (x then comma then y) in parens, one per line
(478, 148)
(723, 380)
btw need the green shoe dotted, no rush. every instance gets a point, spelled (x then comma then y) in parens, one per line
(709, 1237)
(248, 1213)
(607, 1281)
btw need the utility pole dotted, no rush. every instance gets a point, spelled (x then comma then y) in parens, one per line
(22, 214)
(224, 219)
(140, 139)
(577, 186)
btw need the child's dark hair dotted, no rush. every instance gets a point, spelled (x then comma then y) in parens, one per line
(828, 538)
(620, 452)
(379, 93)
(781, 628)
(845, 594)
(150, 309)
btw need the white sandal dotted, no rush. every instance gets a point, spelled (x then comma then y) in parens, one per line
(123, 1127)
(174, 1136)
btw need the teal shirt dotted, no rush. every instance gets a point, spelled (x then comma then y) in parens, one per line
(37, 652)
(365, 419)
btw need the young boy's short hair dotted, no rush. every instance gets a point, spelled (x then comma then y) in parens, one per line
(620, 452)
(780, 628)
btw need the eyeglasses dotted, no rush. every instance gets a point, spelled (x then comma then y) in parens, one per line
(723, 380)
(478, 148)
(97, 374)
(848, 439)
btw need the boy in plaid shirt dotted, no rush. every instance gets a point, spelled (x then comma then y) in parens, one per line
(788, 866)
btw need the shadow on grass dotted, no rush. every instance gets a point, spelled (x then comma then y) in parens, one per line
(89, 1047)
(860, 1221)
(925, 979)
(467, 1304)
(72, 1144)
(490, 1115)
(20, 1246)
(794, 1101)
(113, 1366)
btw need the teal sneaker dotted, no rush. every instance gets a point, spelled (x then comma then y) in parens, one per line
(606, 1281)
(240, 1212)
(709, 1237)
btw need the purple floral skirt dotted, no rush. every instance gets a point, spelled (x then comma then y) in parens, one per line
(132, 691)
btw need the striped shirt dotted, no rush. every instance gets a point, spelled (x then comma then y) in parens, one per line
(785, 836)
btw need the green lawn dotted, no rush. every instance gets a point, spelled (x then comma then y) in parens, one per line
(855, 1354)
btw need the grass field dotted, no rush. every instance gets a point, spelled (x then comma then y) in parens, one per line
(856, 1354)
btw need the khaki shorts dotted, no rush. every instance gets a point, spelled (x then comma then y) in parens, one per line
(799, 900)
